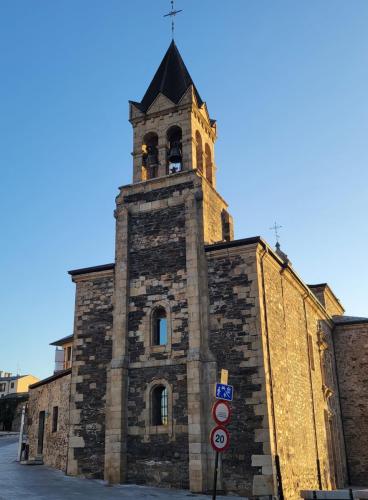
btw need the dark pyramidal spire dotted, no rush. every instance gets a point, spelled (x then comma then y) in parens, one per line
(172, 79)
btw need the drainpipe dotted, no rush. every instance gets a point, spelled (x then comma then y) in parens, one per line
(277, 458)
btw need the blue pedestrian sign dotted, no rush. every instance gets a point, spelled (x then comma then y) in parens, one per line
(224, 391)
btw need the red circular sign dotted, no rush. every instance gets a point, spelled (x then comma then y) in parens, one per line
(221, 412)
(220, 439)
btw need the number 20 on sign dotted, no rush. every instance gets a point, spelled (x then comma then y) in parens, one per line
(220, 439)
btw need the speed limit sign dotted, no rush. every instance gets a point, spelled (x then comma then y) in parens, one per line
(220, 439)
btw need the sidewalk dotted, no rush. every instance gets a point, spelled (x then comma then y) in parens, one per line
(19, 482)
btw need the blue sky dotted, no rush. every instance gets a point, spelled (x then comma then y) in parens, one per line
(287, 82)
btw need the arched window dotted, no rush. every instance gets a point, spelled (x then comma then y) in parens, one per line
(199, 151)
(208, 156)
(159, 405)
(150, 156)
(159, 326)
(174, 153)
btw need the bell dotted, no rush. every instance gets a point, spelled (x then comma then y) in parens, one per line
(175, 153)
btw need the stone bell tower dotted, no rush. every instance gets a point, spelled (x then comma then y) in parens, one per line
(160, 380)
(172, 128)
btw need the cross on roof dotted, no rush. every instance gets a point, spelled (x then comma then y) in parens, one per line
(275, 228)
(172, 14)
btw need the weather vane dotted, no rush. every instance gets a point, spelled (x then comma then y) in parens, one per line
(172, 14)
(276, 228)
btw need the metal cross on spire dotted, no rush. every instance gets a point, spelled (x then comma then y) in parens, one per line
(276, 228)
(172, 14)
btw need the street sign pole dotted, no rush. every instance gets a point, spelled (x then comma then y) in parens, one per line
(20, 440)
(215, 476)
(221, 414)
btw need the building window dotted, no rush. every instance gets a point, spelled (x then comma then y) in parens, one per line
(2, 387)
(159, 326)
(68, 357)
(12, 385)
(159, 405)
(55, 416)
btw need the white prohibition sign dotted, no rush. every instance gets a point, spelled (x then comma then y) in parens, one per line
(220, 439)
(221, 412)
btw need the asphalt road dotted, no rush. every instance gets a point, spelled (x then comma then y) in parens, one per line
(20, 482)
(6, 440)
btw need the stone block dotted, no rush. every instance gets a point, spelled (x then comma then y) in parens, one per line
(263, 485)
(261, 460)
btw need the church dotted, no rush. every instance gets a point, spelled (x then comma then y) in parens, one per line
(183, 300)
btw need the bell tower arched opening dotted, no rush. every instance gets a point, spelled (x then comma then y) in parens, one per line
(150, 156)
(175, 150)
(208, 160)
(199, 151)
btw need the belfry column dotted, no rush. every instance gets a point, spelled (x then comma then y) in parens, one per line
(201, 366)
(117, 382)
(162, 159)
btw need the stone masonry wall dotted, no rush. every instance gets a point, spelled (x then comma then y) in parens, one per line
(45, 398)
(235, 341)
(157, 276)
(91, 356)
(158, 456)
(214, 205)
(303, 388)
(332, 305)
(351, 347)
(325, 296)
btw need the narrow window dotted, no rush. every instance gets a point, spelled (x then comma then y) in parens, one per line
(55, 416)
(159, 326)
(68, 357)
(12, 385)
(225, 219)
(159, 406)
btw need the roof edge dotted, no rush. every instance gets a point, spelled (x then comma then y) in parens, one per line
(63, 340)
(16, 395)
(350, 321)
(234, 243)
(51, 379)
(94, 269)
